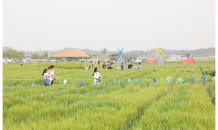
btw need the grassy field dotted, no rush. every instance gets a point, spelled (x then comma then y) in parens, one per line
(109, 105)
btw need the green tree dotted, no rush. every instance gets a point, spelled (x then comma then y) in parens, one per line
(132, 56)
(5, 55)
(13, 54)
(113, 56)
(20, 55)
(45, 55)
(35, 56)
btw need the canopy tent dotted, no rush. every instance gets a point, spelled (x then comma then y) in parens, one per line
(71, 53)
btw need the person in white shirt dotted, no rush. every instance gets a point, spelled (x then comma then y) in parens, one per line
(47, 77)
(96, 75)
(139, 66)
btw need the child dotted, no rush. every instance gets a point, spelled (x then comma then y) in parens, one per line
(51, 72)
(86, 67)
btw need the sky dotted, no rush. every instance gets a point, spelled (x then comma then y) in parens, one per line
(96, 24)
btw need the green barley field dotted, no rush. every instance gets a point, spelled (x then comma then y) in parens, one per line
(109, 105)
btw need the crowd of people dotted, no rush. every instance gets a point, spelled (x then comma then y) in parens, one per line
(93, 62)
(97, 75)
(49, 75)
(109, 65)
(136, 66)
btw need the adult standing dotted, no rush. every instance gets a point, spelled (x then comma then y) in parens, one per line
(96, 75)
(121, 66)
(92, 62)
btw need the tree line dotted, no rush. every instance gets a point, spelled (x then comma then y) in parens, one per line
(38, 56)
(14, 54)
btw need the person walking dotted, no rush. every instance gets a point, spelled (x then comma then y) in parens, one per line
(96, 75)
(46, 77)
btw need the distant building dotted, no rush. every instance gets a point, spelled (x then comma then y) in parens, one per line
(184, 57)
(189, 56)
(205, 58)
(212, 57)
(176, 56)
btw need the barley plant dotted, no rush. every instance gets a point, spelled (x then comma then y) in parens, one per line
(127, 103)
